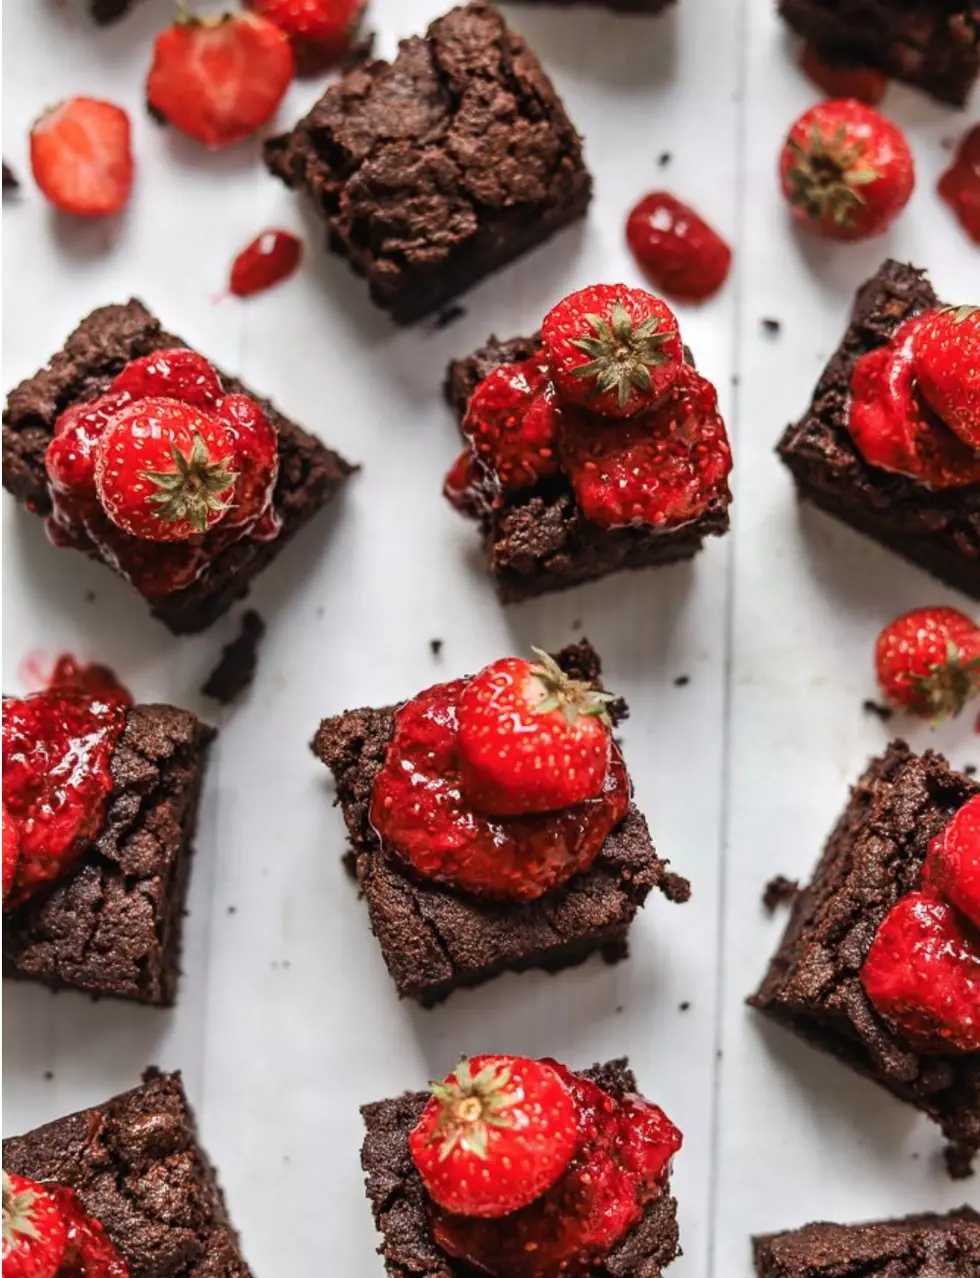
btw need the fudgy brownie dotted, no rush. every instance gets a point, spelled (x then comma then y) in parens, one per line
(537, 540)
(435, 941)
(873, 857)
(113, 926)
(101, 346)
(932, 44)
(435, 169)
(106, 11)
(135, 1165)
(398, 1198)
(926, 1246)
(938, 530)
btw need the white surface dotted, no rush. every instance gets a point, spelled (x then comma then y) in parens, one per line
(287, 1019)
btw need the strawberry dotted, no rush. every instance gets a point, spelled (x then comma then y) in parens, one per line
(946, 367)
(531, 739)
(321, 30)
(496, 1133)
(922, 975)
(70, 458)
(162, 470)
(255, 458)
(219, 81)
(680, 254)
(173, 374)
(34, 1233)
(959, 186)
(952, 868)
(612, 349)
(662, 469)
(846, 171)
(512, 423)
(892, 425)
(268, 259)
(81, 157)
(91, 1251)
(11, 852)
(842, 81)
(463, 485)
(928, 661)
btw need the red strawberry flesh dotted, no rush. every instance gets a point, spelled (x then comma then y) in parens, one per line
(512, 422)
(952, 868)
(81, 157)
(928, 661)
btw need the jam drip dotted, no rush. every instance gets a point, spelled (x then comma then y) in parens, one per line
(57, 751)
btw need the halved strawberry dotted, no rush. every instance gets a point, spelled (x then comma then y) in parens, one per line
(81, 157)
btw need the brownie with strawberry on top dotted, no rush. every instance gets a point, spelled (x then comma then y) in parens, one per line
(521, 1168)
(891, 442)
(137, 451)
(880, 961)
(121, 1190)
(100, 801)
(591, 447)
(438, 168)
(941, 1246)
(931, 44)
(511, 842)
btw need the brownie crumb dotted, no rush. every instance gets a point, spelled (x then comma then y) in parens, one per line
(10, 182)
(448, 316)
(48, 1075)
(664, 158)
(236, 667)
(683, 1007)
(959, 1160)
(435, 646)
(682, 681)
(880, 711)
(779, 891)
(676, 888)
(232, 909)
(90, 596)
(577, 624)
(620, 1008)
(969, 769)
(735, 380)
(772, 326)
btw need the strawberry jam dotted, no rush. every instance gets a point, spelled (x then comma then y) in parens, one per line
(959, 186)
(423, 820)
(90, 1253)
(70, 674)
(621, 1164)
(270, 258)
(57, 750)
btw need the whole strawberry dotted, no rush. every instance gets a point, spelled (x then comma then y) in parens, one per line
(81, 157)
(846, 171)
(531, 739)
(34, 1233)
(928, 661)
(495, 1134)
(321, 31)
(162, 470)
(512, 422)
(612, 349)
(220, 80)
(11, 852)
(677, 250)
(946, 367)
(952, 868)
(922, 974)
(660, 470)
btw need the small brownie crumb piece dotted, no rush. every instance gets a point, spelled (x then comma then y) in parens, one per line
(435, 647)
(237, 665)
(99, 348)
(926, 1246)
(136, 1165)
(813, 987)
(682, 681)
(772, 326)
(880, 711)
(398, 1197)
(10, 183)
(436, 169)
(434, 941)
(931, 44)
(939, 531)
(113, 926)
(779, 891)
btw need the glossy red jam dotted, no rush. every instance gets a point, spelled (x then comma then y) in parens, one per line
(69, 673)
(680, 254)
(89, 1254)
(423, 820)
(959, 186)
(270, 258)
(622, 1165)
(57, 750)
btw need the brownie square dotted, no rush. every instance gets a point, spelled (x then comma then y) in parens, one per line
(136, 1165)
(104, 342)
(932, 44)
(813, 987)
(433, 940)
(926, 1246)
(398, 1197)
(436, 169)
(537, 540)
(113, 926)
(939, 531)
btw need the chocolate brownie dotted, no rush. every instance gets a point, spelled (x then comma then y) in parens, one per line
(874, 856)
(104, 342)
(537, 540)
(436, 169)
(932, 44)
(618, 6)
(926, 1246)
(398, 1198)
(113, 926)
(435, 941)
(939, 531)
(106, 11)
(136, 1165)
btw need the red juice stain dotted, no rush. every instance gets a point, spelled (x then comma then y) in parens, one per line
(863, 83)
(959, 186)
(68, 673)
(271, 257)
(676, 249)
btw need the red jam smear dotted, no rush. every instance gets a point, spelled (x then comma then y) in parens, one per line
(270, 258)
(90, 1253)
(959, 186)
(423, 820)
(57, 749)
(677, 250)
(622, 1164)
(69, 673)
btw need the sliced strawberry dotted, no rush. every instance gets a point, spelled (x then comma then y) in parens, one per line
(952, 868)
(171, 374)
(11, 852)
(512, 421)
(81, 157)
(946, 368)
(321, 30)
(959, 186)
